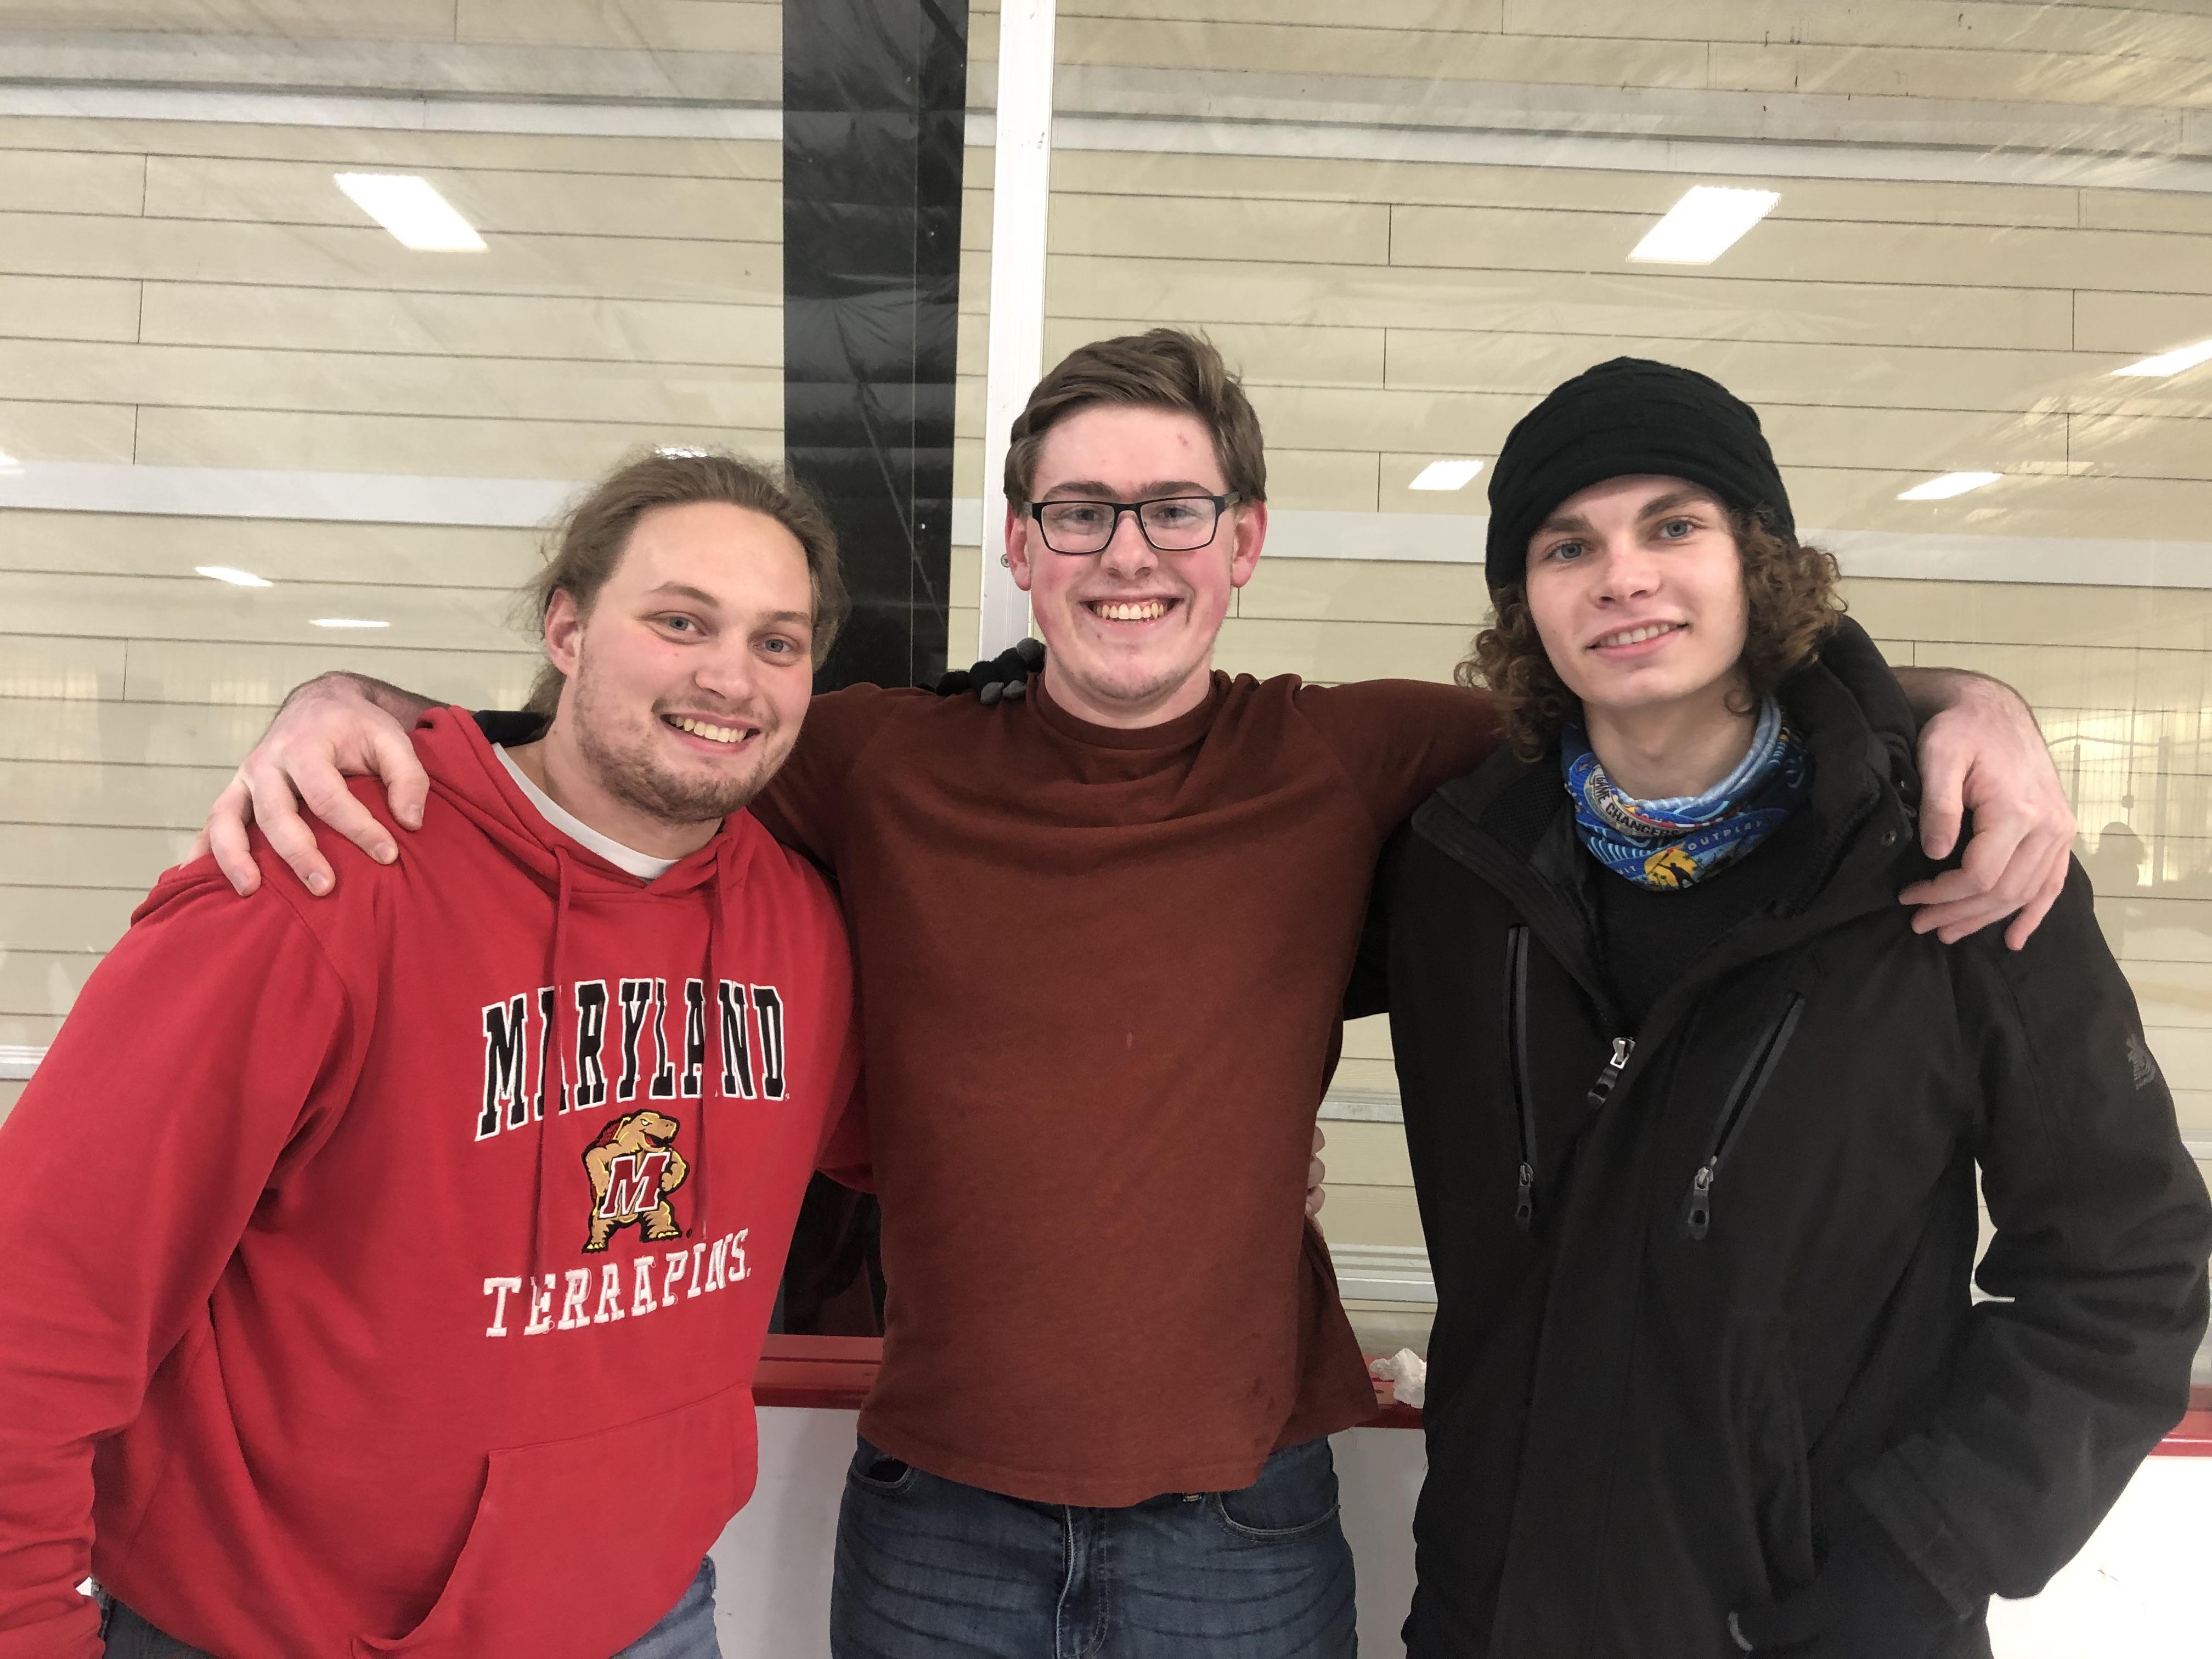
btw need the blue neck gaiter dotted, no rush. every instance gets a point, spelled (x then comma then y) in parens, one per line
(1680, 841)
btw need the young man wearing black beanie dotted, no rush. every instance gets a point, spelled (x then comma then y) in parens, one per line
(1695, 1116)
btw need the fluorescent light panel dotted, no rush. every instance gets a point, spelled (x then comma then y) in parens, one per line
(347, 622)
(2171, 362)
(1446, 475)
(411, 210)
(1950, 484)
(231, 574)
(1704, 225)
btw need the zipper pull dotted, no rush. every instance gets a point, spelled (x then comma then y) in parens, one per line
(1524, 1209)
(1698, 1218)
(1622, 1048)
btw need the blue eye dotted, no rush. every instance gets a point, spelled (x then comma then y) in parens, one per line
(1564, 550)
(1085, 516)
(1675, 529)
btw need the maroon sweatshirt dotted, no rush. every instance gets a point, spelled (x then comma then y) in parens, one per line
(1102, 970)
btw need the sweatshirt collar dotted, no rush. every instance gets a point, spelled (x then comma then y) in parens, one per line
(1179, 732)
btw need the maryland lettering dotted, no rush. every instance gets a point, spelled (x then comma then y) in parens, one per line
(637, 1044)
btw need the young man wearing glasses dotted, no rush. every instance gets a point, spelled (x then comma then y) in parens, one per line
(1114, 1354)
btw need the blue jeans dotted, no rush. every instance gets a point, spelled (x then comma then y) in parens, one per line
(687, 1631)
(927, 1568)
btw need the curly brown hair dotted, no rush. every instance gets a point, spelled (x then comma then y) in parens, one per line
(1792, 592)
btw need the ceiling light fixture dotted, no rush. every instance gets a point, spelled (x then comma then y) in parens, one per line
(1446, 475)
(1950, 484)
(233, 575)
(347, 622)
(2171, 362)
(411, 210)
(1704, 225)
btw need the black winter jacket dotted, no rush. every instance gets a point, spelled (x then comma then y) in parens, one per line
(1703, 1288)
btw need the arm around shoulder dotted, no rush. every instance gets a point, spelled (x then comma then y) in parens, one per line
(1399, 741)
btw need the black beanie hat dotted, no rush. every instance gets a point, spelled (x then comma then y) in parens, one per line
(1627, 416)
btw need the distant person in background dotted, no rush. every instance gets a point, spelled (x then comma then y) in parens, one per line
(2115, 872)
(1695, 1116)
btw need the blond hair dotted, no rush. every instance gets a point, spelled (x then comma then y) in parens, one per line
(590, 540)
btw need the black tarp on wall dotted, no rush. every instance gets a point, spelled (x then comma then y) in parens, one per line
(875, 96)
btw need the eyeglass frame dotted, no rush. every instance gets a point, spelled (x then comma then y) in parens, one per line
(1222, 503)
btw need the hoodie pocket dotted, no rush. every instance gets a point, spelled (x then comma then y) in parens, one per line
(578, 1546)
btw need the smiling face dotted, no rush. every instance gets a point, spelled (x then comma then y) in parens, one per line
(687, 678)
(1636, 587)
(1129, 631)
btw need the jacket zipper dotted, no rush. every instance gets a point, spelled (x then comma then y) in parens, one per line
(1743, 1099)
(1524, 1092)
(1516, 1041)
(1601, 1090)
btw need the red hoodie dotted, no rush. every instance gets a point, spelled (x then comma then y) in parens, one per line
(345, 1310)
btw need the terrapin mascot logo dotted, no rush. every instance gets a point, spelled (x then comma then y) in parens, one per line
(633, 1170)
(1670, 866)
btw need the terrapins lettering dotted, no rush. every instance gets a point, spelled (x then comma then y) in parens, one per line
(699, 1270)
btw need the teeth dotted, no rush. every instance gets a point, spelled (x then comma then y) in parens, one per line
(712, 733)
(1145, 611)
(1637, 635)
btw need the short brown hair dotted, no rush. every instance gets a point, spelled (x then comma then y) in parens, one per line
(593, 534)
(1791, 593)
(1162, 368)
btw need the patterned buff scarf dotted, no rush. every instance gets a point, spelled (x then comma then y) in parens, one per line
(1685, 838)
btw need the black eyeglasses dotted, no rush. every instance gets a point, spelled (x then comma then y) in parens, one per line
(1172, 524)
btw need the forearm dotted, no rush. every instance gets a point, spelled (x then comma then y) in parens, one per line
(405, 707)
(1933, 691)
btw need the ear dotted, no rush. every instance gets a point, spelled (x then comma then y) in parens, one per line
(564, 628)
(1019, 527)
(1251, 536)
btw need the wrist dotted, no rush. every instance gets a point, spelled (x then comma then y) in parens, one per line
(340, 687)
(1933, 691)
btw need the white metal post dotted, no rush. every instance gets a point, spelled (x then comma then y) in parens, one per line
(1021, 191)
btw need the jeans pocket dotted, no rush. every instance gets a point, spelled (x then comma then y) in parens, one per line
(1295, 1494)
(878, 1471)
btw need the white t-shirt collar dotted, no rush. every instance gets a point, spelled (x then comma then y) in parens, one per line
(643, 865)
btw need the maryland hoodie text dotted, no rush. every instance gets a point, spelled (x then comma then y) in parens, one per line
(385, 1272)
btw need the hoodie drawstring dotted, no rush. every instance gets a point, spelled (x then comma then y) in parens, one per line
(555, 1087)
(710, 1088)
